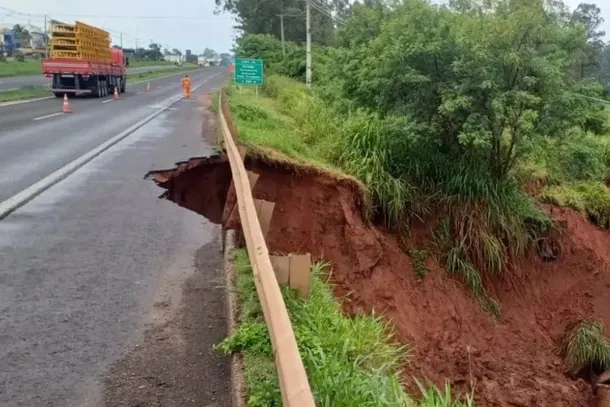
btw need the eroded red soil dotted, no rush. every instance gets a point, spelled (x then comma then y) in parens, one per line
(512, 362)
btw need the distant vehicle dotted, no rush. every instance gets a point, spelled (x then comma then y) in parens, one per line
(93, 68)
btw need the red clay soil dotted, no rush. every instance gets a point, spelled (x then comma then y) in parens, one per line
(511, 363)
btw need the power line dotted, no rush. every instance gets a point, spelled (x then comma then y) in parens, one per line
(326, 11)
(135, 17)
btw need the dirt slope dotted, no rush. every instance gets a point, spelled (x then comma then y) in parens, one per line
(511, 363)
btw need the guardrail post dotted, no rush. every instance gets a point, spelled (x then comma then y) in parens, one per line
(300, 273)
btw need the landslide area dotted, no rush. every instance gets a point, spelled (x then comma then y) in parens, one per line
(512, 361)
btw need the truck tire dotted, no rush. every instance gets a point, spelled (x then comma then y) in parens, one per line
(123, 85)
(58, 94)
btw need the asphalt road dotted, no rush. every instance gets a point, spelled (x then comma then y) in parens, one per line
(11, 82)
(36, 139)
(86, 266)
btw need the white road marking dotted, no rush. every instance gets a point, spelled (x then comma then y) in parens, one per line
(23, 197)
(139, 93)
(18, 102)
(109, 100)
(47, 116)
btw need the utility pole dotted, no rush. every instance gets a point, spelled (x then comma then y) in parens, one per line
(308, 50)
(121, 40)
(282, 34)
(46, 38)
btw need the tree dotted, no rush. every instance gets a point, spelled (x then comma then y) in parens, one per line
(176, 51)
(209, 53)
(154, 52)
(589, 15)
(262, 17)
(477, 81)
(225, 58)
(23, 35)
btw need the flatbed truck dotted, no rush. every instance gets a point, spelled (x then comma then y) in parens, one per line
(82, 76)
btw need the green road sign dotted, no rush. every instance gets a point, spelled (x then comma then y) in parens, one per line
(249, 71)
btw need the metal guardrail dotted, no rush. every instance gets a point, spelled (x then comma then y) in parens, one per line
(294, 384)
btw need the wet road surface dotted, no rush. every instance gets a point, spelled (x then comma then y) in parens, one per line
(100, 281)
(12, 82)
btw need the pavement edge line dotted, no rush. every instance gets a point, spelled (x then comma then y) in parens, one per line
(21, 198)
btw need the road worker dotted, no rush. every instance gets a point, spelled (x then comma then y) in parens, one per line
(186, 86)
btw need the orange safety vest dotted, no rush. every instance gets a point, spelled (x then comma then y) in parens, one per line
(186, 82)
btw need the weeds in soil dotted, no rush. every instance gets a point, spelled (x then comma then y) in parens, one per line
(584, 347)
(349, 361)
(419, 266)
(592, 198)
(434, 397)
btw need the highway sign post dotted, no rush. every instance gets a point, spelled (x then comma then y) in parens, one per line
(249, 72)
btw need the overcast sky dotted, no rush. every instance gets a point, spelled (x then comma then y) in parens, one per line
(196, 29)
(188, 24)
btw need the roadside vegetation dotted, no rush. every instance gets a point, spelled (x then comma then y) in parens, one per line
(28, 67)
(135, 63)
(473, 113)
(28, 92)
(585, 349)
(485, 97)
(350, 361)
(143, 76)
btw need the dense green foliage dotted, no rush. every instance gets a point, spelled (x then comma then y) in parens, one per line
(448, 109)
(351, 362)
(585, 349)
(440, 106)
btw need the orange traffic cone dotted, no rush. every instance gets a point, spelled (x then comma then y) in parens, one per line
(148, 86)
(66, 108)
(116, 93)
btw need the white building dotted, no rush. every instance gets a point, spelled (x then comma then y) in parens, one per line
(174, 58)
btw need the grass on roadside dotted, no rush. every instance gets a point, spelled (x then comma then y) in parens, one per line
(491, 223)
(143, 76)
(135, 63)
(350, 361)
(28, 92)
(590, 197)
(585, 347)
(29, 67)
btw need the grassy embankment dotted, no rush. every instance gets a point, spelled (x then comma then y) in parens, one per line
(29, 67)
(28, 92)
(350, 361)
(289, 124)
(143, 76)
(136, 63)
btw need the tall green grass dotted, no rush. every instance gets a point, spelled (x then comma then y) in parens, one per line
(491, 222)
(584, 347)
(592, 198)
(350, 361)
(29, 67)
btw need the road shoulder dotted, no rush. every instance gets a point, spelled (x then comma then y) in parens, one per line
(176, 365)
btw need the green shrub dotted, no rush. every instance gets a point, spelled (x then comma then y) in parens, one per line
(349, 361)
(593, 198)
(584, 347)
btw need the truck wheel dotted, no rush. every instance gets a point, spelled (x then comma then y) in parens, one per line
(123, 85)
(58, 94)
